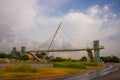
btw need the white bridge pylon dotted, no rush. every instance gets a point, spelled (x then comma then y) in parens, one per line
(33, 54)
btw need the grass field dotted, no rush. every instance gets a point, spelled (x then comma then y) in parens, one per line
(80, 65)
(60, 68)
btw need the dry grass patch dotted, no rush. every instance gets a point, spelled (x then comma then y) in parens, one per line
(20, 68)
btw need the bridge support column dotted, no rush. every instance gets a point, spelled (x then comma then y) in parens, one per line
(90, 55)
(96, 51)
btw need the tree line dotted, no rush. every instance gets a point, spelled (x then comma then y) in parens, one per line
(59, 59)
(110, 59)
(18, 57)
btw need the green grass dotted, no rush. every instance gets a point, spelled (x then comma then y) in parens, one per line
(13, 75)
(80, 65)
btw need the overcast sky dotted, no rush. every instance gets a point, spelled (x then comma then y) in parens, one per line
(31, 23)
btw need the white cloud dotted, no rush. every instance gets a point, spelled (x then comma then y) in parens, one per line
(15, 18)
(106, 8)
(30, 24)
(93, 11)
(19, 14)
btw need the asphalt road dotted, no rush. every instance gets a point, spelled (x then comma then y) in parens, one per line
(110, 76)
(109, 72)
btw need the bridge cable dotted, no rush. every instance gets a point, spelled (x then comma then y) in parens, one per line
(71, 38)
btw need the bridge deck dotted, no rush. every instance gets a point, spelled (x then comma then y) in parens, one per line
(67, 50)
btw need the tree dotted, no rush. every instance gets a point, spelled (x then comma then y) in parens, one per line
(24, 57)
(8, 55)
(110, 59)
(115, 59)
(69, 59)
(59, 59)
(16, 57)
(83, 59)
(2, 55)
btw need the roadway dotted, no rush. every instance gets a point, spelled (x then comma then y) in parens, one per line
(109, 72)
(115, 75)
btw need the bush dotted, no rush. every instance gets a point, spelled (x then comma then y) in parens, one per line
(20, 68)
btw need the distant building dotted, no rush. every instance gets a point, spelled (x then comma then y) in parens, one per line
(23, 49)
(14, 51)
